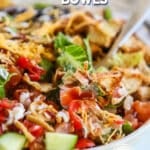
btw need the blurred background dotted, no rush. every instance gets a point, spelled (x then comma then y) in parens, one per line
(120, 9)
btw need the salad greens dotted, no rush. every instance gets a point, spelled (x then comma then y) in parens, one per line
(47, 66)
(71, 56)
(61, 41)
(89, 53)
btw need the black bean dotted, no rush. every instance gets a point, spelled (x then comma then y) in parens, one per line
(15, 10)
(38, 13)
(65, 11)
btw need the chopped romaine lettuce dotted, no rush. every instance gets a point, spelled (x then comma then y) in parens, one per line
(2, 91)
(71, 56)
(127, 60)
(61, 41)
(47, 66)
(89, 53)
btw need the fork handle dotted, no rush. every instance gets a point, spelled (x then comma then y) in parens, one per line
(139, 14)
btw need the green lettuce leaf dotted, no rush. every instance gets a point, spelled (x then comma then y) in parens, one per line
(61, 41)
(89, 53)
(72, 57)
(2, 91)
(47, 66)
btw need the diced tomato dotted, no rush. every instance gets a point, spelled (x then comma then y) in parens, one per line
(85, 143)
(1, 130)
(35, 71)
(142, 109)
(27, 123)
(34, 77)
(23, 62)
(3, 115)
(15, 78)
(119, 122)
(73, 109)
(36, 130)
(2, 118)
(75, 92)
(87, 95)
(4, 103)
(67, 96)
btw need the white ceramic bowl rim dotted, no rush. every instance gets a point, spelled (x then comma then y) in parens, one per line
(126, 139)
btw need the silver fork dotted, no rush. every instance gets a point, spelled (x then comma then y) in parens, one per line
(140, 12)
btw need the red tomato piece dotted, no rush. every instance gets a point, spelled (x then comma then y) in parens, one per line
(23, 62)
(143, 110)
(85, 143)
(27, 123)
(36, 130)
(34, 77)
(2, 118)
(1, 130)
(67, 96)
(3, 115)
(73, 109)
(119, 122)
(34, 70)
(6, 104)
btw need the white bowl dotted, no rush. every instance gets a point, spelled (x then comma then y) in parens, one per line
(138, 140)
